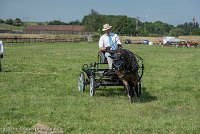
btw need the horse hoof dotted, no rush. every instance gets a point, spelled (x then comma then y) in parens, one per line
(131, 100)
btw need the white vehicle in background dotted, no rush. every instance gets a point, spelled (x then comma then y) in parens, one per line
(170, 40)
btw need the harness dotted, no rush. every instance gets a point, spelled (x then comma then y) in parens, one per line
(130, 61)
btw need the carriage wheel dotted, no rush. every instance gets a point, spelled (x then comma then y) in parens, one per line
(81, 82)
(101, 57)
(92, 86)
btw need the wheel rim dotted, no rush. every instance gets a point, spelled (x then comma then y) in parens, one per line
(100, 58)
(81, 83)
(92, 86)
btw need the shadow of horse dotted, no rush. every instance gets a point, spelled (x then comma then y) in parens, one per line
(146, 96)
(113, 92)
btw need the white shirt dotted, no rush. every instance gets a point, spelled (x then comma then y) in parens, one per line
(1, 46)
(104, 40)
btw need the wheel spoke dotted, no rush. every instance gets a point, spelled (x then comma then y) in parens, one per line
(81, 82)
(92, 87)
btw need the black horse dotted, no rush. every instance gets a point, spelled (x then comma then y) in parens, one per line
(126, 66)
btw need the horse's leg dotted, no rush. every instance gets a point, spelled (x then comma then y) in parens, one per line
(129, 90)
(135, 90)
(135, 80)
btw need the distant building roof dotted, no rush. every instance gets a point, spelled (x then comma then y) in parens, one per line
(5, 31)
(55, 28)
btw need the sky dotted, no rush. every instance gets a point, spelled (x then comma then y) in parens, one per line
(173, 12)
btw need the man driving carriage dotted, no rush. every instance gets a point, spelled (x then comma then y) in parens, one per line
(124, 67)
(108, 41)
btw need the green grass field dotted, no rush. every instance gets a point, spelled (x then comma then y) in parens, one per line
(38, 85)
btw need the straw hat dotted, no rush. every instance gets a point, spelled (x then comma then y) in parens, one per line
(106, 27)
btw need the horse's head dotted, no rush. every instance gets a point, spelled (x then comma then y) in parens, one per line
(124, 61)
(117, 61)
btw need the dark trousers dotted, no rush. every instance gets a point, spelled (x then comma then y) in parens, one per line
(0, 65)
(1, 56)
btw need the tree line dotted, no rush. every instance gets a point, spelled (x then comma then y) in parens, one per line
(14, 22)
(123, 25)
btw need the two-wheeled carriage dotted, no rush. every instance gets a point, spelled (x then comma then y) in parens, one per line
(96, 75)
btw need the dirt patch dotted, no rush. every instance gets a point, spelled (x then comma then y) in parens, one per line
(41, 128)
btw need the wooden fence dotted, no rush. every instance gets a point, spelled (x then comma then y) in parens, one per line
(13, 40)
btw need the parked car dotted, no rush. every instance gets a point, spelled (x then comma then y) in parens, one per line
(128, 41)
(146, 42)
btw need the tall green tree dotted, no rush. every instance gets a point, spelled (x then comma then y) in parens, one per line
(56, 22)
(76, 22)
(176, 32)
(18, 22)
(2, 21)
(196, 32)
(189, 27)
(93, 21)
(9, 21)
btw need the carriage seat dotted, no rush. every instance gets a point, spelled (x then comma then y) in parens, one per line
(101, 58)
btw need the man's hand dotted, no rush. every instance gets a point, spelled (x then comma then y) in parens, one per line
(119, 45)
(104, 48)
(108, 48)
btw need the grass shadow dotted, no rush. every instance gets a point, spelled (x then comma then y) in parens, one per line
(146, 96)
(112, 92)
(107, 92)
